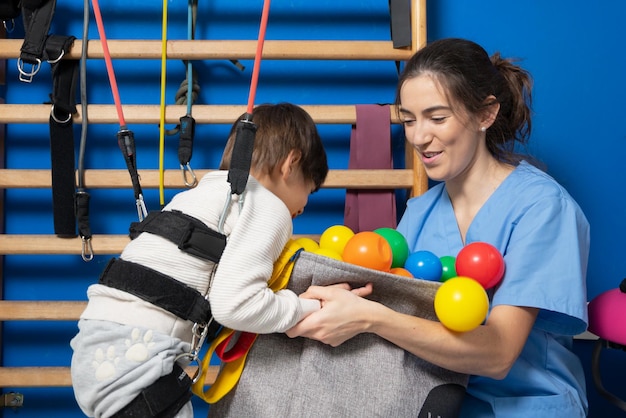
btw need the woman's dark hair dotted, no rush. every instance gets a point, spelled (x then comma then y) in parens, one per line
(469, 76)
(282, 128)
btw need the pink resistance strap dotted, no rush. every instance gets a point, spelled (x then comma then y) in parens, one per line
(370, 148)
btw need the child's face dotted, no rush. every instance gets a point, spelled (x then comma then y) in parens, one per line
(294, 191)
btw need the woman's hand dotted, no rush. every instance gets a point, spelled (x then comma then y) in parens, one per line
(333, 324)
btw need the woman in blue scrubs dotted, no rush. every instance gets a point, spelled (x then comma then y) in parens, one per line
(464, 112)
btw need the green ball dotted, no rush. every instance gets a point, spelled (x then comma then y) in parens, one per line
(398, 244)
(448, 269)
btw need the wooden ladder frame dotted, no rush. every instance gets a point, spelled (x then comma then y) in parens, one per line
(412, 178)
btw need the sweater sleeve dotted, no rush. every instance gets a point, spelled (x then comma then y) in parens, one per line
(240, 297)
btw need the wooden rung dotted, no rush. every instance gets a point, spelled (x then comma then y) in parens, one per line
(119, 178)
(23, 377)
(15, 244)
(52, 244)
(150, 114)
(229, 49)
(38, 310)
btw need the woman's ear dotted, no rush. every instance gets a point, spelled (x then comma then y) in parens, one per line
(488, 116)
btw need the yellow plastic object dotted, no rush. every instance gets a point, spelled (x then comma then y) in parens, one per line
(231, 371)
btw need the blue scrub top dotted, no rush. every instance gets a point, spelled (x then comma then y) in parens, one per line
(544, 238)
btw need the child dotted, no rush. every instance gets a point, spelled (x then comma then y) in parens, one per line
(126, 343)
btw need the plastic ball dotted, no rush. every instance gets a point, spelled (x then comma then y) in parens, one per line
(400, 271)
(327, 252)
(368, 249)
(308, 244)
(482, 262)
(448, 270)
(424, 265)
(336, 237)
(398, 244)
(461, 304)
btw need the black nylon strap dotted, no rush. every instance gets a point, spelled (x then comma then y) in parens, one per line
(242, 155)
(163, 399)
(400, 11)
(62, 154)
(37, 16)
(157, 289)
(189, 234)
(63, 180)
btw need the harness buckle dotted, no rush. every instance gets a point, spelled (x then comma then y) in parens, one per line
(54, 61)
(57, 120)
(27, 77)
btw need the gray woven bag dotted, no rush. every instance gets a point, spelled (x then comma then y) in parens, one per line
(364, 377)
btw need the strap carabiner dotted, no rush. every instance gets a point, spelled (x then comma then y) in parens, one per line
(54, 61)
(187, 170)
(87, 250)
(6, 28)
(27, 76)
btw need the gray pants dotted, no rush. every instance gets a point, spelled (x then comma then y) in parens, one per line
(113, 363)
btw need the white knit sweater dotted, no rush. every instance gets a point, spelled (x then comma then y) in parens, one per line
(239, 296)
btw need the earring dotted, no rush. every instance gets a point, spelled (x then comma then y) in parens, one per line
(483, 128)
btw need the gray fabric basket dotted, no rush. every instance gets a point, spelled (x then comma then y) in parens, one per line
(364, 377)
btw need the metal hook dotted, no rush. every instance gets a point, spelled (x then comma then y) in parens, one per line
(4, 23)
(58, 59)
(87, 252)
(187, 169)
(25, 76)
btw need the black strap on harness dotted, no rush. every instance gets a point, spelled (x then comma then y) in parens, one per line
(158, 289)
(163, 399)
(64, 78)
(191, 235)
(241, 159)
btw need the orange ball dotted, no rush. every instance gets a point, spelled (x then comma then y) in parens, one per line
(368, 249)
(401, 271)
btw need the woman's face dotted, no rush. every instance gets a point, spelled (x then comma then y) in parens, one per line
(448, 142)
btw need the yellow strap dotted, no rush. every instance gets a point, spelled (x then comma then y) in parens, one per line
(230, 372)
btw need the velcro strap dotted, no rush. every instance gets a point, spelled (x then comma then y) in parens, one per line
(163, 399)
(188, 233)
(158, 289)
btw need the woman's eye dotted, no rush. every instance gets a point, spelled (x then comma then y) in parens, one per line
(438, 119)
(408, 122)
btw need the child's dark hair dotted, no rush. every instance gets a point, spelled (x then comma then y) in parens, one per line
(282, 128)
(469, 76)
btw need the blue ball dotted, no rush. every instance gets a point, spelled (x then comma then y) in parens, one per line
(424, 265)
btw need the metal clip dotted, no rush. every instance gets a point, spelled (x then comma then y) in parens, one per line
(187, 169)
(87, 251)
(25, 76)
(142, 212)
(12, 400)
(7, 29)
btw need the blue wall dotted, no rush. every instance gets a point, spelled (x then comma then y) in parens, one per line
(572, 48)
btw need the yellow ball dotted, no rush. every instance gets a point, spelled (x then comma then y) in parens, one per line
(336, 237)
(461, 304)
(308, 244)
(327, 252)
